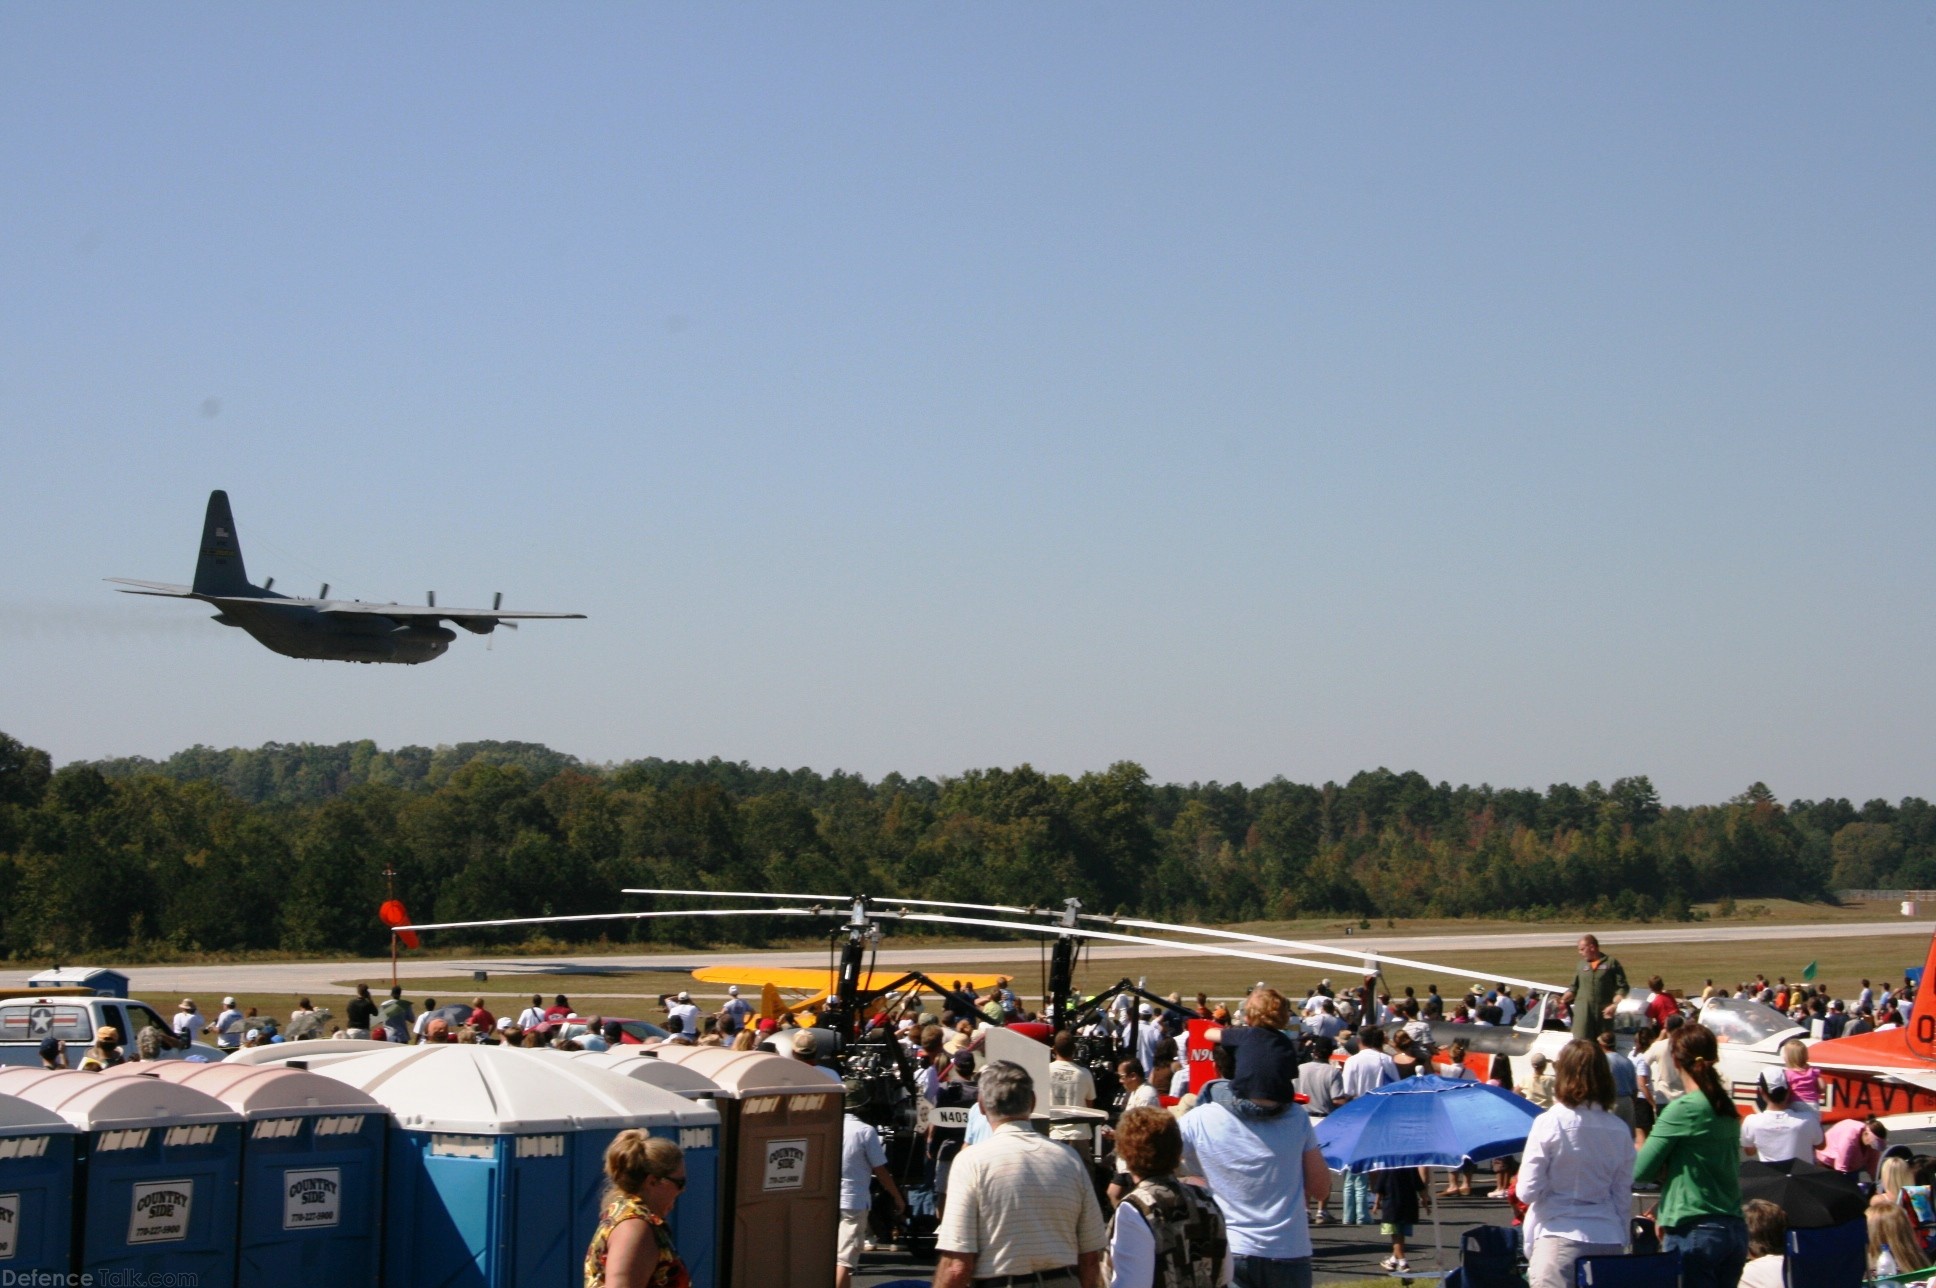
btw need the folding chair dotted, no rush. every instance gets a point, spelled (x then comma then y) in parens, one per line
(1489, 1257)
(1654, 1270)
(1837, 1257)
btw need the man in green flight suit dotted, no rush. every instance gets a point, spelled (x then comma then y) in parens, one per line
(1598, 986)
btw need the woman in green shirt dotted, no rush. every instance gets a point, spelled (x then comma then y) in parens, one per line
(1694, 1151)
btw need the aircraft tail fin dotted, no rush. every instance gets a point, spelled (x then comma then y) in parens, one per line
(1921, 1024)
(219, 571)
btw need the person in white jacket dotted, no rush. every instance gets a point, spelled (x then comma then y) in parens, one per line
(1576, 1173)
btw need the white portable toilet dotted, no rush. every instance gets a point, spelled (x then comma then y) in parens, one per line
(643, 1063)
(497, 1160)
(313, 1053)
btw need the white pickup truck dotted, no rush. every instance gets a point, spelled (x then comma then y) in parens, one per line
(27, 1021)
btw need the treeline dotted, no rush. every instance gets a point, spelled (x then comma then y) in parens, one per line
(286, 847)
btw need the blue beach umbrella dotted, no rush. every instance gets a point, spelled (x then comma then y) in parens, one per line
(1427, 1121)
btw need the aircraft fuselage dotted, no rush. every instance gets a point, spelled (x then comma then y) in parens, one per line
(296, 630)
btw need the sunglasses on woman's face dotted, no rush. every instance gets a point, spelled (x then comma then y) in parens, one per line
(676, 1182)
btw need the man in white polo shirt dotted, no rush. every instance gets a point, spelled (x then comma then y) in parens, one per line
(1021, 1209)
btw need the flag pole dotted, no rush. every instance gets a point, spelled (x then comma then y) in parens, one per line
(390, 876)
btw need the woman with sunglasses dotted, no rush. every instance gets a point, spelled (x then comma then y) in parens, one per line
(632, 1247)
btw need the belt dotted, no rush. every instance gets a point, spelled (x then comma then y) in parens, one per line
(1066, 1274)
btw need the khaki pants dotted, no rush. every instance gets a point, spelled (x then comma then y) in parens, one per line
(1551, 1262)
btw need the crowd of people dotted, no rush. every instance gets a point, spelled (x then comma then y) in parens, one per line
(1230, 1172)
(1168, 1179)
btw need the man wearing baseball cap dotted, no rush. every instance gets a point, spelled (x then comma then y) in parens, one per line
(228, 1026)
(734, 1015)
(685, 1012)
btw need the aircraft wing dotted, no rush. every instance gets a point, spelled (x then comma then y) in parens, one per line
(1923, 1078)
(423, 611)
(359, 608)
(153, 588)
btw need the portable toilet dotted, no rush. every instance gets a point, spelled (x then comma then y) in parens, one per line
(780, 1121)
(157, 1176)
(104, 982)
(497, 1162)
(312, 1053)
(36, 1191)
(643, 1063)
(312, 1171)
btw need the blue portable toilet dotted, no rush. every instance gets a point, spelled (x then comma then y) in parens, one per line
(497, 1156)
(104, 982)
(36, 1189)
(312, 1172)
(156, 1181)
(641, 1064)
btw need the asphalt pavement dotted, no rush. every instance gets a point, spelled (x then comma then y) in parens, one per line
(1342, 1253)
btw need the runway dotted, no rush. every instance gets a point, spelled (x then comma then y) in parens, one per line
(553, 972)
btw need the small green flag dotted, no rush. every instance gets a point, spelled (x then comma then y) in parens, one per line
(1808, 972)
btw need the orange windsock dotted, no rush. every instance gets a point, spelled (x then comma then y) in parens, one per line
(393, 914)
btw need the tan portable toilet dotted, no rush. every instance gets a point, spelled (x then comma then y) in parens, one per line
(780, 1195)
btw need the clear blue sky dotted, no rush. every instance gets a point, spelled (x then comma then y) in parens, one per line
(1512, 393)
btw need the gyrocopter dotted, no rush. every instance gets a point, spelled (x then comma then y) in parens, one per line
(875, 1069)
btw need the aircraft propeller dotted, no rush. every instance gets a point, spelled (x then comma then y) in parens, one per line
(324, 592)
(497, 602)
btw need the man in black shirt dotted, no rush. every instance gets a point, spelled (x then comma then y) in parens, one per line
(360, 1013)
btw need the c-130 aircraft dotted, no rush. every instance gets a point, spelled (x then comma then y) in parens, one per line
(331, 630)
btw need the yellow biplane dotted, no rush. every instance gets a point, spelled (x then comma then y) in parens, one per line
(816, 985)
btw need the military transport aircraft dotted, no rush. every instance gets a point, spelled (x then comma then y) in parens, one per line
(332, 630)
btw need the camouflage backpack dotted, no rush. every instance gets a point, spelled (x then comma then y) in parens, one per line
(1190, 1242)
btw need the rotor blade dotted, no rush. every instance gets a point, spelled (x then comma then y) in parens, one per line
(943, 903)
(1036, 928)
(892, 900)
(617, 916)
(748, 894)
(1316, 948)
